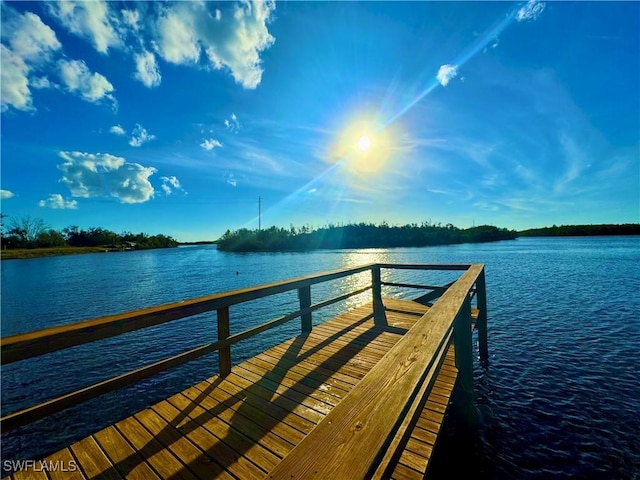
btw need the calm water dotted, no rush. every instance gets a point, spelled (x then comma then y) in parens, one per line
(560, 399)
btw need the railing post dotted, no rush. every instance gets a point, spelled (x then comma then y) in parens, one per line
(224, 354)
(462, 340)
(481, 323)
(379, 316)
(304, 296)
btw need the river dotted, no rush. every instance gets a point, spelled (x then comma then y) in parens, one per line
(560, 398)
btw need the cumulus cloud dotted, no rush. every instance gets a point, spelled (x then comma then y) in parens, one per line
(147, 69)
(232, 39)
(171, 184)
(210, 144)
(14, 85)
(4, 194)
(140, 136)
(89, 175)
(56, 201)
(177, 40)
(232, 123)
(27, 46)
(446, 73)
(92, 87)
(531, 11)
(91, 20)
(117, 130)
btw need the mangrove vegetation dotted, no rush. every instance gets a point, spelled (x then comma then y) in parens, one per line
(582, 230)
(361, 235)
(28, 237)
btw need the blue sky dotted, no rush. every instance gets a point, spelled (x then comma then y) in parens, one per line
(176, 117)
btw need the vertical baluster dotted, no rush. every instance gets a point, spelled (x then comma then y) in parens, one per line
(481, 323)
(463, 343)
(304, 296)
(379, 317)
(224, 354)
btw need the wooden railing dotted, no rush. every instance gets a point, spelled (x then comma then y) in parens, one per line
(21, 347)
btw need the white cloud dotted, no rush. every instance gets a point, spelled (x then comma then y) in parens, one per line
(89, 175)
(56, 201)
(6, 194)
(169, 184)
(232, 123)
(147, 69)
(531, 11)
(29, 37)
(27, 45)
(91, 20)
(231, 180)
(40, 82)
(177, 39)
(210, 144)
(446, 73)
(232, 40)
(131, 18)
(140, 136)
(117, 130)
(92, 87)
(14, 85)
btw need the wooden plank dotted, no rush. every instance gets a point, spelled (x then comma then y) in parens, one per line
(122, 455)
(402, 472)
(192, 456)
(28, 475)
(93, 461)
(295, 405)
(203, 428)
(161, 459)
(304, 398)
(264, 436)
(294, 382)
(275, 408)
(359, 425)
(303, 382)
(63, 466)
(268, 417)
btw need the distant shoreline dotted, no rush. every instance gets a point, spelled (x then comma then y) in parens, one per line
(583, 230)
(554, 231)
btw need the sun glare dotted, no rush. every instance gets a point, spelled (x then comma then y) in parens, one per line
(362, 147)
(364, 143)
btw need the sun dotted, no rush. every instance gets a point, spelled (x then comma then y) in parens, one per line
(364, 143)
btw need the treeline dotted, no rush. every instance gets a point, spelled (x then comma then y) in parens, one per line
(31, 233)
(362, 235)
(582, 230)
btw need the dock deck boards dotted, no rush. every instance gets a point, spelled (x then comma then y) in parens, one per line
(242, 426)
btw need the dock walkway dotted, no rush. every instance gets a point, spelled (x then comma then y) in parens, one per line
(275, 414)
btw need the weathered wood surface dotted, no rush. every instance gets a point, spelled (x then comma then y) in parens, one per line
(244, 425)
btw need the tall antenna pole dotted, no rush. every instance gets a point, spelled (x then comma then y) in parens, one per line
(259, 213)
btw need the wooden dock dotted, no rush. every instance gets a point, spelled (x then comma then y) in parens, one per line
(362, 395)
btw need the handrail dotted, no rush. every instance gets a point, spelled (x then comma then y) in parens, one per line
(27, 345)
(24, 346)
